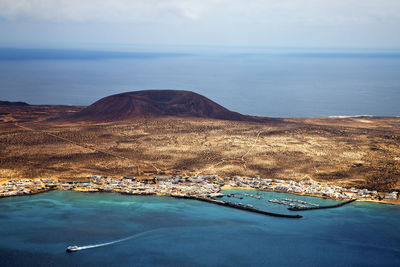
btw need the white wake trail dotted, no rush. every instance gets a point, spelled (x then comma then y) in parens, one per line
(119, 240)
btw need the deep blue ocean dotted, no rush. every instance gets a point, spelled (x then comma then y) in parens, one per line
(162, 231)
(266, 82)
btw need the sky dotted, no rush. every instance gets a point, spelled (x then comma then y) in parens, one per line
(275, 23)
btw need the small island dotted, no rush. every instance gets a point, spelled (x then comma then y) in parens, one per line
(184, 137)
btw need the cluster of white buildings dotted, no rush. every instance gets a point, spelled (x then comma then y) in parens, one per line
(201, 186)
(308, 187)
(162, 185)
(17, 187)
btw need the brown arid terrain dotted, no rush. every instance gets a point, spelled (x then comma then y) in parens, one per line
(360, 152)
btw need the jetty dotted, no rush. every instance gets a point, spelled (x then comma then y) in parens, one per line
(238, 206)
(296, 208)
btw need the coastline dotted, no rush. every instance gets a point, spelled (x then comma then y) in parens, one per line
(201, 186)
(225, 187)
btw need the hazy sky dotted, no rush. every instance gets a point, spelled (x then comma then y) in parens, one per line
(305, 23)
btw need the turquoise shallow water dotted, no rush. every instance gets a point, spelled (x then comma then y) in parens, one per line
(35, 231)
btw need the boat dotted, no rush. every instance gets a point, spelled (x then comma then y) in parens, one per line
(72, 248)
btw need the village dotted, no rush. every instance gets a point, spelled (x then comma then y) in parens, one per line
(208, 186)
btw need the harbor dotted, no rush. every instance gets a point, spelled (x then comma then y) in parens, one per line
(200, 188)
(241, 206)
(207, 186)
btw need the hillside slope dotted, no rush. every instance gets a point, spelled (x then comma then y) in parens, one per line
(157, 103)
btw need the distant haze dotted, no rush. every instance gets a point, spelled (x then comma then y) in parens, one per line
(328, 23)
(266, 83)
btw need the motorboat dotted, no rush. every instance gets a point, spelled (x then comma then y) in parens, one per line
(72, 248)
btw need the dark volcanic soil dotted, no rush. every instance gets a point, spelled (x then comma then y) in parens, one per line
(8, 103)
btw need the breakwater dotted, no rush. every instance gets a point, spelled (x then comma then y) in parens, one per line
(322, 207)
(239, 206)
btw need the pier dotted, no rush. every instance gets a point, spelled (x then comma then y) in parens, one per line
(322, 207)
(239, 206)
